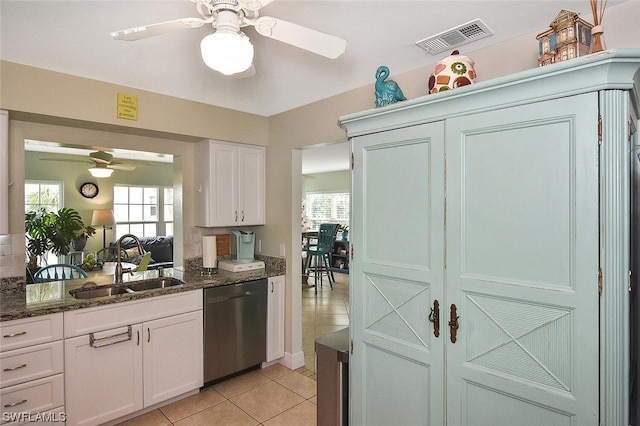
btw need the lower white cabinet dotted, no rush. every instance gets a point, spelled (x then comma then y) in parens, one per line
(172, 357)
(115, 372)
(31, 378)
(275, 318)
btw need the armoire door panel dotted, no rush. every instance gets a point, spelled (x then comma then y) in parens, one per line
(397, 212)
(526, 342)
(395, 309)
(518, 183)
(397, 365)
(488, 407)
(400, 395)
(522, 263)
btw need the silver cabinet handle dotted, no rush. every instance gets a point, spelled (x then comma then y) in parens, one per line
(14, 368)
(95, 343)
(15, 403)
(21, 333)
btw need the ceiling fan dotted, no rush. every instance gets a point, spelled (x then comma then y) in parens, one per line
(103, 164)
(228, 50)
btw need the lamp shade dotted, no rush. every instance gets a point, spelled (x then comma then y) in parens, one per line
(100, 172)
(227, 52)
(103, 218)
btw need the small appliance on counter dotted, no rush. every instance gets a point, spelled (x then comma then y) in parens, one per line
(245, 242)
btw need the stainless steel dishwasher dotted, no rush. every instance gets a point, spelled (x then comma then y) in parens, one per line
(235, 328)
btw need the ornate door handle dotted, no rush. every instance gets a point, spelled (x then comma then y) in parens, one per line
(434, 317)
(453, 323)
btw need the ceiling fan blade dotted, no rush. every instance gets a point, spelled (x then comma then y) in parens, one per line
(125, 167)
(153, 30)
(305, 38)
(253, 4)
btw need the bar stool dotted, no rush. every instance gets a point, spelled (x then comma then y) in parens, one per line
(318, 255)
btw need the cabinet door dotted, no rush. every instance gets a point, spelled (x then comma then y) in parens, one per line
(396, 368)
(251, 185)
(4, 172)
(275, 318)
(103, 379)
(173, 356)
(215, 174)
(224, 194)
(522, 265)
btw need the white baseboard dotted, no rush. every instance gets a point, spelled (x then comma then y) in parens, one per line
(293, 361)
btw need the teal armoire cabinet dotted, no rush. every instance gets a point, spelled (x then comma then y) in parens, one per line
(491, 261)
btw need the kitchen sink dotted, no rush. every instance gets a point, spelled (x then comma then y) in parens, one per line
(92, 291)
(154, 283)
(100, 291)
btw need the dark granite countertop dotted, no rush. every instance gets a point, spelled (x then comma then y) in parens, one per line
(48, 298)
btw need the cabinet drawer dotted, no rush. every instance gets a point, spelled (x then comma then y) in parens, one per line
(30, 363)
(91, 320)
(30, 331)
(34, 397)
(47, 418)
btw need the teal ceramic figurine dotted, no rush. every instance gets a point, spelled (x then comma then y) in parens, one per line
(387, 92)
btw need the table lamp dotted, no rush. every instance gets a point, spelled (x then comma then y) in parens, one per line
(105, 219)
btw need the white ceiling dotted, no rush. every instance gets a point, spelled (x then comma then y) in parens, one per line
(73, 37)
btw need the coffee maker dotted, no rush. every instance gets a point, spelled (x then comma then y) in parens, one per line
(244, 243)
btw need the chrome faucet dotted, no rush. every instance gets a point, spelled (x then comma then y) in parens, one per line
(119, 270)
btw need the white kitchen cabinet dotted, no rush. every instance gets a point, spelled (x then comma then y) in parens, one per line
(152, 353)
(275, 318)
(4, 172)
(103, 374)
(172, 356)
(229, 183)
(31, 380)
(514, 226)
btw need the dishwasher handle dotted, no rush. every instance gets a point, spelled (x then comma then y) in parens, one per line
(220, 299)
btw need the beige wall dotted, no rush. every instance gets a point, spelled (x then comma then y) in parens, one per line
(326, 182)
(79, 103)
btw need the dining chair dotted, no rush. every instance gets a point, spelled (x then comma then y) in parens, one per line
(59, 272)
(318, 255)
(109, 254)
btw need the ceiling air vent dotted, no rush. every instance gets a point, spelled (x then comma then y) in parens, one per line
(462, 34)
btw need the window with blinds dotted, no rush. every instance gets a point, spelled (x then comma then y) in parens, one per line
(327, 207)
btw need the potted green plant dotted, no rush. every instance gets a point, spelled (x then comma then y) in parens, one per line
(80, 241)
(50, 231)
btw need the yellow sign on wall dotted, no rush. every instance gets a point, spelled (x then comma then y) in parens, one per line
(127, 107)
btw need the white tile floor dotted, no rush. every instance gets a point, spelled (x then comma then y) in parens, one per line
(274, 396)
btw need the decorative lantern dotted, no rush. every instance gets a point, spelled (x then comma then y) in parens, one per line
(453, 71)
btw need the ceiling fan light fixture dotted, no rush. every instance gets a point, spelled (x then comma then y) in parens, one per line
(100, 172)
(227, 53)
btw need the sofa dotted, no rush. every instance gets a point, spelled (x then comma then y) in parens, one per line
(161, 249)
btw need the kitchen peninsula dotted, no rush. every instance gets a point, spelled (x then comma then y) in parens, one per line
(100, 359)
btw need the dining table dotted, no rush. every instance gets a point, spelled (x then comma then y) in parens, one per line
(109, 268)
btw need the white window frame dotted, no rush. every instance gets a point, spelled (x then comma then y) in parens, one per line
(314, 222)
(159, 224)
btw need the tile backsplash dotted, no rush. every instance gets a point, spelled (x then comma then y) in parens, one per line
(12, 255)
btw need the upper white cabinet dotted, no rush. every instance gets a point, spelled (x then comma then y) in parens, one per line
(4, 172)
(229, 183)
